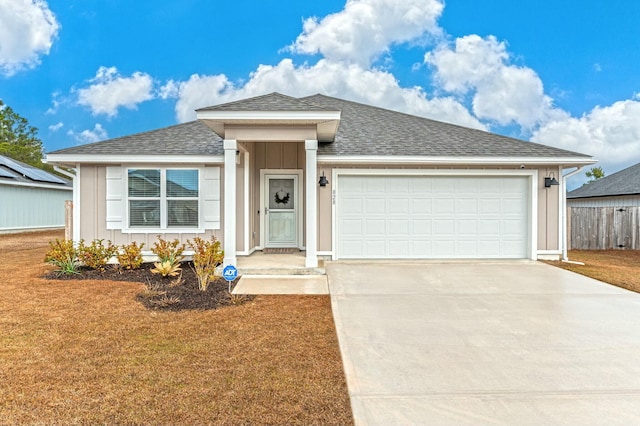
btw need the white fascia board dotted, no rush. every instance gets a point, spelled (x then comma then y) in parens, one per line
(139, 159)
(230, 116)
(37, 185)
(476, 161)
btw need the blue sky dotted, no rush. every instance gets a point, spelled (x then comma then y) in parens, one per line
(560, 73)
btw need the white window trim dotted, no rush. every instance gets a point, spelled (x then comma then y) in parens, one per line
(127, 229)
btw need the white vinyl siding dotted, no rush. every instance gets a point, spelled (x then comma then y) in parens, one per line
(432, 216)
(24, 207)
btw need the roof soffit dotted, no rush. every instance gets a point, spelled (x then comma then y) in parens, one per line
(325, 122)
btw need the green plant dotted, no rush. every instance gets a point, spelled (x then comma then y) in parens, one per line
(166, 269)
(63, 254)
(168, 251)
(130, 257)
(96, 255)
(207, 256)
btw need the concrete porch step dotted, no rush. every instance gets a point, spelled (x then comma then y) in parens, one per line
(259, 263)
(282, 284)
(280, 270)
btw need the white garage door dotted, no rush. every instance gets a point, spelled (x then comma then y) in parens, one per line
(432, 217)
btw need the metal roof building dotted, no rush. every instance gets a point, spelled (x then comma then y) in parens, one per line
(31, 198)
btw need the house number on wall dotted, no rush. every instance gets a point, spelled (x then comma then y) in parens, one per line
(333, 197)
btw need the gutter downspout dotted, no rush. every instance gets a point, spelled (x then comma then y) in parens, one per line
(564, 213)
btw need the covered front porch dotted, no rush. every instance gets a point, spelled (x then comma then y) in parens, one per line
(270, 179)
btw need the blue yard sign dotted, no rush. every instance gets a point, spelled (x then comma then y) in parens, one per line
(230, 273)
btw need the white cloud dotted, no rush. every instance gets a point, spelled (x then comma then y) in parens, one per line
(169, 90)
(611, 134)
(351, 82)
(55, 127)
(27, 31)
(500, 92)
(366, 28)
(89, 136)
(110, 91)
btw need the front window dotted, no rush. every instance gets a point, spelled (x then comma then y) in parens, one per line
(163, 198)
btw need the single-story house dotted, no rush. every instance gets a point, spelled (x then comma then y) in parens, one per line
(335, 178)
(30, 198)
(605, 213)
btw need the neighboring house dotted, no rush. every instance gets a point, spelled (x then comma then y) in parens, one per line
(30, 198)
(335, 178)
(605, 214)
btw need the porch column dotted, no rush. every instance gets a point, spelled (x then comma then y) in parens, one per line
(311, 196)
(230, 148)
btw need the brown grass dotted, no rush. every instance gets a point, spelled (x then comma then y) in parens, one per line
(618, 267)
(85, 352)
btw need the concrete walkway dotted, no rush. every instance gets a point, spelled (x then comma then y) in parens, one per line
(510, 343)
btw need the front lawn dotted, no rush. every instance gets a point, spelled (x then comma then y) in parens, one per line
(618, 267)
(86, 352)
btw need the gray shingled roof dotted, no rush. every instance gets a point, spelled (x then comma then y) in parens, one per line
(192, 138)
(363, 130)
(368, 130)
(271, 102)
(624, 182)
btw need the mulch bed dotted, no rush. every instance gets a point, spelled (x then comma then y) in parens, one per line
(165, 293)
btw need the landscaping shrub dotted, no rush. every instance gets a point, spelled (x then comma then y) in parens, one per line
(130, 256)
(166, 268)
(207, 257)
(168, 251)
(63, 255)
(96, 255)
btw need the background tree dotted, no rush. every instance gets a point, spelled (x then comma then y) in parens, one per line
(18, 139)
(594, 174)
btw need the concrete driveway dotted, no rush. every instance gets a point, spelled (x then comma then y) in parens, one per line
(514, 343)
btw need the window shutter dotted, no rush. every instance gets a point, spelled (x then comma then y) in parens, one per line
(211, 197)
(115, 197)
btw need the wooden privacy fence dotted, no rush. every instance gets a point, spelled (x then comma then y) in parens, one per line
(602, 228)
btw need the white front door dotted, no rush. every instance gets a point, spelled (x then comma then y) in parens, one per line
(281, 210)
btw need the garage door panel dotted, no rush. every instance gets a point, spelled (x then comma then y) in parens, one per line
(352, 227)
(420, 206)
(352, 206)
(375, 248)
(488, 227)
(444, 205)
(467, 227)
(398, 227)
(432, 216)
(489, 205)
(375, 227)
(398, 205)
(467, 206)
(421, 227)
(374, 206)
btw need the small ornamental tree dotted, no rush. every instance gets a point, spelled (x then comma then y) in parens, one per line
(207, 256)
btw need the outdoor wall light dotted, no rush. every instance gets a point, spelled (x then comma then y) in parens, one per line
(323, 180)
(550, 180)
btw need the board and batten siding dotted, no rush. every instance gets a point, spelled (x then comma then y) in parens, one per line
(94, 199)
(24, 208)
